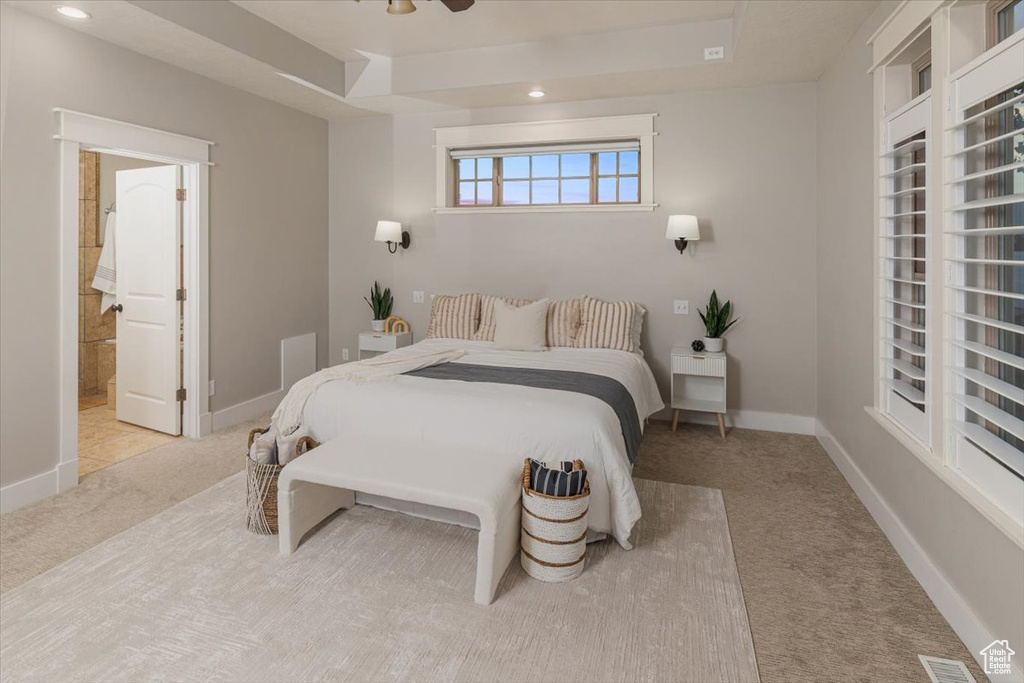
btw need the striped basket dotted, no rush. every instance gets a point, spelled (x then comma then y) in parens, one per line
(554, 532)
(261, 487)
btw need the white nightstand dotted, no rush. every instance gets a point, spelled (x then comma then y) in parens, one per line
(379, 342)
(698, 383)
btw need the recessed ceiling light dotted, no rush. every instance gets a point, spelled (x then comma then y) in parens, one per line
(73, 12)
(536, 93)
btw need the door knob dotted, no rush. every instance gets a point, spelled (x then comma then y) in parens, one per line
(117, 308)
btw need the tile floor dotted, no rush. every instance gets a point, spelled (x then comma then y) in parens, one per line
(103, 441)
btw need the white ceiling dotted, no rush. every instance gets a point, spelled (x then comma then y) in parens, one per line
(362, 61)
(339, 27)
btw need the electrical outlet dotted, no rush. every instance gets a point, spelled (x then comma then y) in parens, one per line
(344, 354)
(681, 307)
(417, 297)
(213, 388)
(714, 53)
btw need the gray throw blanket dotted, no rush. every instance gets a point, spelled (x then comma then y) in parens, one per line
(609, 390)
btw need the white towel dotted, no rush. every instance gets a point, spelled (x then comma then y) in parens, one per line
(288, 416)
(105, 279)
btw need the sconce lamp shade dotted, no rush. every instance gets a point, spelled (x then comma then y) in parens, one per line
(388, 231)
(683, 228)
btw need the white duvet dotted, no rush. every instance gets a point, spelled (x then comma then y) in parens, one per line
(505, 422)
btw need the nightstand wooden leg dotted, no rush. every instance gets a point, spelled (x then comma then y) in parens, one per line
(721, 424)
(675, 420)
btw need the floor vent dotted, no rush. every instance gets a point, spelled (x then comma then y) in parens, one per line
(946, 670)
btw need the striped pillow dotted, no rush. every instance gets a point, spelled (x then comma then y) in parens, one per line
(454, 317)
(486, 330)
(565, 479)
(563, 322)
(610, 325)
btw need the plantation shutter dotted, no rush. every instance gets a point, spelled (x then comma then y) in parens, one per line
(985, 277)
(903, 288)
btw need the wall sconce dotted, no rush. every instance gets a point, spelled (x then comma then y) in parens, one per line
(392, 233)
(682, 229)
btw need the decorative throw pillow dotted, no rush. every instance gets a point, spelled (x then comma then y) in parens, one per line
(521, 328)
(610, 325)
(264, 448)
(486, 330)
(567, 478)
(563, 322)
(454, 317)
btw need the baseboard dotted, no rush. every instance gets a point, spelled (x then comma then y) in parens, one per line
(205, 424)
(28, 491)
(964, 622)
(247, 410)
(754, 419)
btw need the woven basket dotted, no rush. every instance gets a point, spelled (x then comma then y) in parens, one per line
(554, 532)
(261, 487)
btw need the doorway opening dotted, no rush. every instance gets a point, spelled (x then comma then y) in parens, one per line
(162, 292)
(106, 435)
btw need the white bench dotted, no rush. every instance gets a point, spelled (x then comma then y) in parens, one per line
(326, 479)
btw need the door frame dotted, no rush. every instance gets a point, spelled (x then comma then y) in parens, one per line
(75, 132)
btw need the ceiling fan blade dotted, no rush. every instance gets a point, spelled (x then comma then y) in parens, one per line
(458, 5)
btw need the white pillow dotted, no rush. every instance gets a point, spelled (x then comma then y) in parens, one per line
(522, 328)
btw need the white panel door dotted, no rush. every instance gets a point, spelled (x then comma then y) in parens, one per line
(148, 276)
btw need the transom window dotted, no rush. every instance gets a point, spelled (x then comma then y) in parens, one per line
(596, 173)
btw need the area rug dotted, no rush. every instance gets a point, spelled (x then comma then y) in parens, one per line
(372, 595)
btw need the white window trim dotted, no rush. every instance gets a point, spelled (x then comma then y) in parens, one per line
(996, 70)
(634, 126)
(902, 27)
(909, 120)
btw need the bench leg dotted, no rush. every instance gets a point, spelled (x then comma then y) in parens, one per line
(495, 550)
(301, 505)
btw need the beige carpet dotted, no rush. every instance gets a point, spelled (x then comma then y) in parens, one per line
(113, 499)
(375, 595)
(827, 596)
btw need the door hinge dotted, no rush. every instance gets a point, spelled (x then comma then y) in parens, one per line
(180, 394)
(180, 295)
(181, 194)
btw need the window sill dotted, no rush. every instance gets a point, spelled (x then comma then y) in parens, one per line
(959, 484)
(564, 208)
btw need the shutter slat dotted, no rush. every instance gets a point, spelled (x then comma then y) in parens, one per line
(904, 170)
(986, 143)
(912, 349)
(991, 413)
(906, 390)
(987, 292)
(985, 173)
(989, 352)
(983, 379)
(983, 232)
(989, 322)
(905, 368)
(1001, 200)
(905, 324)
(987, 112)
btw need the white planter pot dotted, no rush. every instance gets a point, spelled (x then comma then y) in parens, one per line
(377, 325)
(713, 344)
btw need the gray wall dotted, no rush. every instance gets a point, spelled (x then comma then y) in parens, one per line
(741, 160)
(981, 563)
(268, 219)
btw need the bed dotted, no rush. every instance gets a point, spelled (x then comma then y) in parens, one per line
(504, 422)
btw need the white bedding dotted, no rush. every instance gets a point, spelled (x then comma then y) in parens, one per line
(506, 422)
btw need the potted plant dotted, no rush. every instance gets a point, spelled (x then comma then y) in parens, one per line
(716, 322)
(380, 303)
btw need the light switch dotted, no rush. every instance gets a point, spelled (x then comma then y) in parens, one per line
(344, 354)
(681, 307)
(417, 297)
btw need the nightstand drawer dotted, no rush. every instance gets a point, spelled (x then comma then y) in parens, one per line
(377, 342)
(699, 365)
